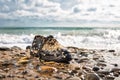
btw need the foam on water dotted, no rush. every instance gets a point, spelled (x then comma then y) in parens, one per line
(16, 40)
(97, 39)
(91, 39)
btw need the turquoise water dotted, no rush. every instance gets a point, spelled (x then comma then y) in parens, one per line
(42, 30)
(50, 30)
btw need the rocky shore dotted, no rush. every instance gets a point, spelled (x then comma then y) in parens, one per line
(46, 59)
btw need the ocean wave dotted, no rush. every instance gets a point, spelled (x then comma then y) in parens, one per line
(95, 39)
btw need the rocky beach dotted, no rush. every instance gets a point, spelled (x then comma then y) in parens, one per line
(47, 59)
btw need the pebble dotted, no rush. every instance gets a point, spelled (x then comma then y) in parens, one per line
(47, 69)
(4, 49)
(24, 72)
(61, 76)
(74, 78)
(2, 76)
(101, 64)
(96, 69)
(92, 76)
(115, 70)
(104, 72)
(83, 60)
(111, 50)
(23, 61)
(116, 74)
(37, 76)
(109, 77)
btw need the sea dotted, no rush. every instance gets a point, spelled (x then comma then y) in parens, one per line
(82, 37)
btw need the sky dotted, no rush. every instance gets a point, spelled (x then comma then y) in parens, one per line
(80, 13)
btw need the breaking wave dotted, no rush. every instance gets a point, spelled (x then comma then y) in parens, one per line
(92, 39)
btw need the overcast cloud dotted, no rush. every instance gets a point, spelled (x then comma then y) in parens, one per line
(60, 13)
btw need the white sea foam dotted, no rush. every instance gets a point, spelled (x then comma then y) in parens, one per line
(16, 40)
(95, 39)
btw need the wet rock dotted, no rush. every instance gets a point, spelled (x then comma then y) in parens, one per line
(57, 56)
(4, 49)
(111, 50)
(92, 76)
(49, 49)
(96, 69)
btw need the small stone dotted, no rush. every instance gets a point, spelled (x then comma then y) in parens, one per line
(101, 75)
(83, 60)
(110, 77)
(96, 69)
(61, 76)
(2, 76)
(11, 75)
(115, 70)
(74, 78)
(28, 47)
(92, 76)
(111, 50)
(24, 72)
(23, 61)
(101, 64)
(84, 53)
(16, 48)
(80, 73)
(37, 76)
(4, 49)
(47, 69)
(116, 74)
(77, 68)
(115, 65)
(74, 71)
(7, 63)
(104, 72)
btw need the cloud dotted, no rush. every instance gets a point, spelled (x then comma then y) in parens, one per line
(57, 12)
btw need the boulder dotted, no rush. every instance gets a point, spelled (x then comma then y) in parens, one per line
(49, 49)
(4, 49)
